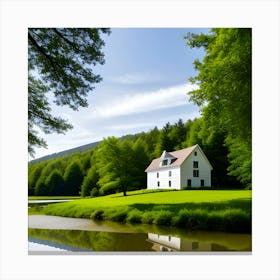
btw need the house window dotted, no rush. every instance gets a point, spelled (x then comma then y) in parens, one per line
(194, 245)
(164, 162)
(202, 183)
(169, 173)
(172, 160)
(195, 164)
(195, 173)
(195, 153)
(157, 174)
(189, 182)
(158, 184)
(169, 183)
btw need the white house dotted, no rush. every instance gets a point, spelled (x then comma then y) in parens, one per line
(186, 168)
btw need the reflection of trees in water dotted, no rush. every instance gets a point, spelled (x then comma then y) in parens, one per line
(115, 241)
(95, 241)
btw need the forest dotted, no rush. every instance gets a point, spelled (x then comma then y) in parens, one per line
(223, 131)
(116, 164)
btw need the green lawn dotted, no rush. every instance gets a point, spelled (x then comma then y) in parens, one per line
(165, 197)
(225, 210)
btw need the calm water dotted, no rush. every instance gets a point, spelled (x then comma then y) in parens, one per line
(138, 238)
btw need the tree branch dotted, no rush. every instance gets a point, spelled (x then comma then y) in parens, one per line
(66, 40)
(43, 52)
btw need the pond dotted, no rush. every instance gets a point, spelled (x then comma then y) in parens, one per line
(49, 234)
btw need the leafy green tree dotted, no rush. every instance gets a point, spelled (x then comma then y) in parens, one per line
(177, 134)
(40, 187)
(224, 91)
(34, 172)
(240, 157)
(140, 162)
(60, 60)
(90, 182)
(73, 178)
(51, 165)
(164, 142)
(194, 134)
(115, 165)
(151, 139)
(54, 183)
(85, 162)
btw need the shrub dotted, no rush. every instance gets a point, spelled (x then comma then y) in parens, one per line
(237, 220)
(182, 219)
(134, 216)
(97, 214)
(148, 217)
(117, 214)
(215, 221)
(198, 219)
(163, 217)
(192, 219)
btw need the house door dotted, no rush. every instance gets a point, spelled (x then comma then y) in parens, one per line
(202, 183)
(189, 182)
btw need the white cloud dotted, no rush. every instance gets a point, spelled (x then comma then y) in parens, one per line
(144, 101)
(132, 79)
(127, 126)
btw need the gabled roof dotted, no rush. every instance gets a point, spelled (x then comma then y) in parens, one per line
(180, 155)
(165, 155)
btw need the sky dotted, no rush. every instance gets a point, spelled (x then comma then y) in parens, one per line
(145, 84)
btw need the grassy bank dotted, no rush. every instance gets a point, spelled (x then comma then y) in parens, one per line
(228, 211)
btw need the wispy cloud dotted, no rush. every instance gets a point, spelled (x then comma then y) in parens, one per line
(133, 79)
(145, 101)
(128, 126)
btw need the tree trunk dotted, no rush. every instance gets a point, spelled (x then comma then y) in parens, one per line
(124, 192)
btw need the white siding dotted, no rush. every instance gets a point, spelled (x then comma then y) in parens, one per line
(164, 178)
(169, 241)
(203, 167)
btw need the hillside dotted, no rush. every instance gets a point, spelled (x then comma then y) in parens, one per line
(82, 148)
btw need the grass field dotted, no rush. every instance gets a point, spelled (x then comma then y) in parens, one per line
(222, 210)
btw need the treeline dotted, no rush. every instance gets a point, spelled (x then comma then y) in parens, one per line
(117, 165)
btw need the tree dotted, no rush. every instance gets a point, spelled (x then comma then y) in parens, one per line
(164, 142)
(115, 165)
(177, 134)
(90, 182)
(60, 60)
(34, 172)
(194, 134)
(73, 178)
(151, 139)
(225, 88)
(40, 187)
(55, 184)
(139, 163)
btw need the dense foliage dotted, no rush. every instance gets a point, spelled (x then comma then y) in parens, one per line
(118, 165)
(60, 61)
(224, 92)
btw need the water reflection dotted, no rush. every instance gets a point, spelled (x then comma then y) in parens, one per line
(89, 241)
(169, 243)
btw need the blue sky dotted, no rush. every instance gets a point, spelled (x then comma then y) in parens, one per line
(145, 81)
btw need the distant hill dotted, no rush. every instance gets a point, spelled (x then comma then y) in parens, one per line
(81, 148)
(67, 152)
